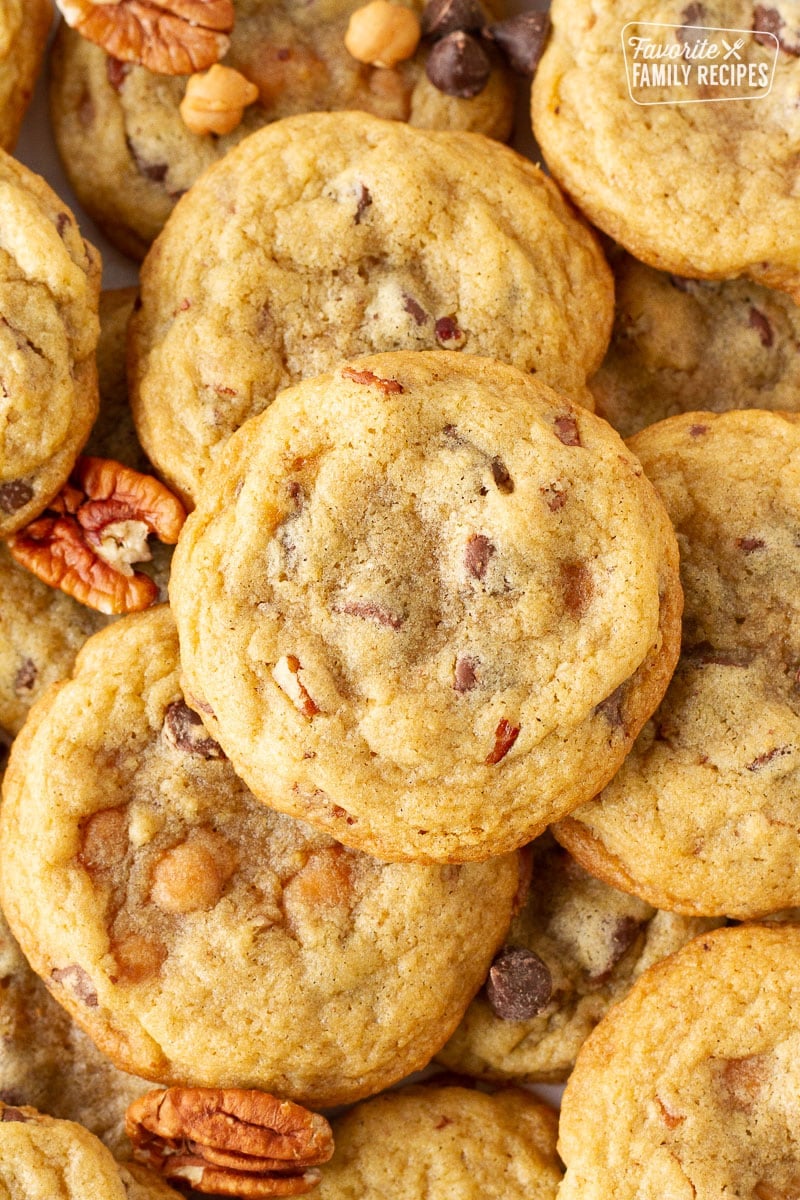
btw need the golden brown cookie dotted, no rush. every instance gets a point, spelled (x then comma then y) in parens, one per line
(24, 26)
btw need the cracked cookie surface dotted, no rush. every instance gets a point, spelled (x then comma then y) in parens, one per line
(702, 816)
(447, 599)
(159, 895)
(327, 236)
(688, 1087)
(702, 189)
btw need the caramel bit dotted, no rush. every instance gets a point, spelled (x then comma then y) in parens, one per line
(577, 587)
(231, 1141)
(137, 958)
(74, 979)
(214, 102)
(742, 1079)
(104, 840)
(94, 529)
(367, 377)
(323, 887)
(566, 430)
(191, 877)
(169, 37)
(504, 737)
(286, 674)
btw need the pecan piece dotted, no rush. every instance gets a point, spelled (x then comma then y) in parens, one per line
(95, 528)
(369, 377)
(230, 1141)
(286, 674)
(169, 37)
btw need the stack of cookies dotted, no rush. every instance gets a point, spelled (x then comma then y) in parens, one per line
(457, 735)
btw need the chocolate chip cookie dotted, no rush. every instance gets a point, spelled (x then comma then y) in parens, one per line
(158, 895)
(685, 344)
(702, 817)
(687, 177)
(573, 950)
(425, 603)
(331, 235)
(49, 284)
(24, 26)
(688, 1086)
(435, 1142)
(130, 155)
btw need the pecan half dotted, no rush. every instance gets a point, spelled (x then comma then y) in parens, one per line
(230, 1141)
(94, 529)
(170, 37)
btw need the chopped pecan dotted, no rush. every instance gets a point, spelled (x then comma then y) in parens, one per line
(230, 1141)
(504, 737)
(385, 385)
(169, 37)
(286, 674)
(95, 528)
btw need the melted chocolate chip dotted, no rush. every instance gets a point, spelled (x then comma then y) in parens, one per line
(464, 677)
(416, 310)
(448, 333)
(26, 676)
(440, 17)
(521, 40)
(458, 65)
(577, 588)
(370, 610)
(364, 201)
(477, 553)
(759, 322)
(612, 707)
(692, 15)
(704, 653)
(519, 985)
(623, 935)
(769, 21)
(15, 495)
(697, 430)
(748, 545)
(566, 430)
(184, 729)
(155, 171)
(501, 476)
(13, 1114)
(77, 981)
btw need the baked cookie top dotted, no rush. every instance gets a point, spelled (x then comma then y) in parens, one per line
(574, 949)
(702, 816)
(435, 1142)
(49, 284)
(682, 345)
(425, 603)
(660, 177)
(326, 236)
(46, 1159)
(158, 895)
(688, 1086)
(130, 155)
(24, 26)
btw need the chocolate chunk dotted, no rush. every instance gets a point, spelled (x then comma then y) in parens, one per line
(117, 72)
(704, 653)
(77, 981)
(364, 201)
(155, 171)
(769, 21)
(577, 587)
(555, 496)
(623, 935)
(448, 333)
(184, 729)
(750, 544)
(519, 985)
(759, 322)
(416, 310)
(15, 495)
(458, 65)
(566, 430)
(504, 737)
(440, 17)
(477, 554)
(767, 757)
(521, 39)
(464, 677)
(501, 476)
(370, 610)
(693, 15)
(26, 675)
(13, 1114)
(611, 707)
(697, 430)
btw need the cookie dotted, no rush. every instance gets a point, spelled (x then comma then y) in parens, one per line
(436, 1142)
(159, 894)
(49, 284)
(46, 1159)
(702, 816)
(688, 1087)
(706, 190)
(327, 236)
(130, 155)
(573, 950)
(24, 26)
(447, 599)
(681, 345)
(48, 1063)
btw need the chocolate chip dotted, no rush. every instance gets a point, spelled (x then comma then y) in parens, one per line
(416, 310)
(184, 729)
(704, 653)
(458, 65)
(13, 1114)
(767, 757)
(697, 430)
(116, 72)
(519, 985)
(750, 544)
(759, 322)
(501, 476)
(623, 935)
(521, 39)
(15, 495)
(769, 20)
(77, 981)
(611, 707)
(464, 677)
(566, 430)
(155, 171)
(692, 15)
(577, 587)
(364, 201)
(555, 496)
(448, 333)
(26, 675)
(369, 610)
(440, 17)
(477, 553)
